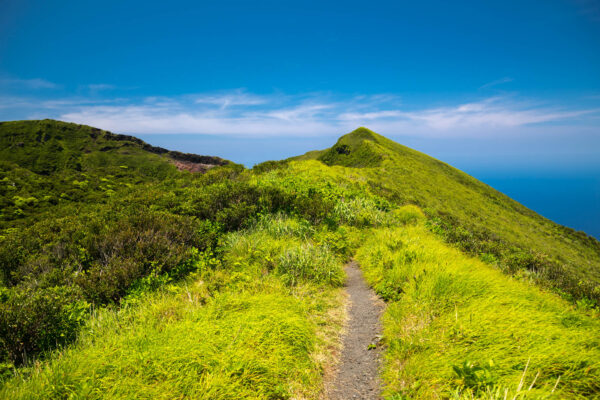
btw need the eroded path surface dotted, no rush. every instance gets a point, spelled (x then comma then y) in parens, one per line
(358, 372)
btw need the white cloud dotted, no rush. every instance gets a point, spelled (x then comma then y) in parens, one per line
(371, 115)
(496, 82)
(298, 113)
(35, 83)
(160, 117)
(242, 113)
(492, 114)
(224, 100)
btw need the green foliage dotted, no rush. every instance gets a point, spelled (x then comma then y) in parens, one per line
(280, 225)
(360, 212)
(310, 263)
(358, 149)
(99, 255)
(269, 166)
(409, 214)
(49, 163)
(238, 345)
(339, 241)
(448, 315)
(33, 321)
(236, 327)
(474, 377)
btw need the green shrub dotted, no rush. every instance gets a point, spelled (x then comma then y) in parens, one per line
(133, 248)
(337, 241)
(474, 377)
(270, 166)
(37, 320)
(313, 206)
(409, 214)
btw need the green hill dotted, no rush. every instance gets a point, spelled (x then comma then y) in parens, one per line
(123, 275)
(473, 215)
(47, 162)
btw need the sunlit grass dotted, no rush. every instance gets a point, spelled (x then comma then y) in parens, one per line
(455, 326)
(239, 329)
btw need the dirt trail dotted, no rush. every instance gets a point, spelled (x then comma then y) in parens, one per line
(357, 375)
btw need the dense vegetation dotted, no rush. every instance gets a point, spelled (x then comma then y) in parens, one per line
(446, 309)
(228, 284)
(472, 215)
(48, 163)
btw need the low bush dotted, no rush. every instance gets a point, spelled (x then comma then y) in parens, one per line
(34, 321)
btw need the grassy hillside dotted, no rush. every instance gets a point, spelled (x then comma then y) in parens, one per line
(227, 284)
(469, 213)
(44, 163)
(456, 327)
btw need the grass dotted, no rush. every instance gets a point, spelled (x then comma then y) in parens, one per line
(238, 345)
(236, 328)
(455, 326)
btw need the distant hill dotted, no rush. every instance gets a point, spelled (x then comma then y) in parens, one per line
(50, 146)
(470, 213)
(46, 162)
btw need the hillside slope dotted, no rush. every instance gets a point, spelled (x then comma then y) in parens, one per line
(46, 162)
(481, 220)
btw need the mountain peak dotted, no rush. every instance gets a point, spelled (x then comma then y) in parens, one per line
(359, 134)
(359, 148)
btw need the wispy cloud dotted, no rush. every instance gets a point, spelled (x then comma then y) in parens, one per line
(36, 83)
(157, 117)
(241, 113)
(496, 82)
(236, 98)
(96, 88)
(492, 113)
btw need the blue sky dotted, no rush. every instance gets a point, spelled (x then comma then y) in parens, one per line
(493, 87)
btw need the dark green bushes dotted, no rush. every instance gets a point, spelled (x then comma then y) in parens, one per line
(132, 248)
(233, 203)
(270, 166)
(98, 251)
(33, 320)
(55, 266)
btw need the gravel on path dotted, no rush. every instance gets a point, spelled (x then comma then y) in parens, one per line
(357, 374)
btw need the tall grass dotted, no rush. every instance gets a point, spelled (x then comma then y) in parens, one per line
(236, 346)
(256, 323)
(455, 326)
(310, 263)
(280, 225)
